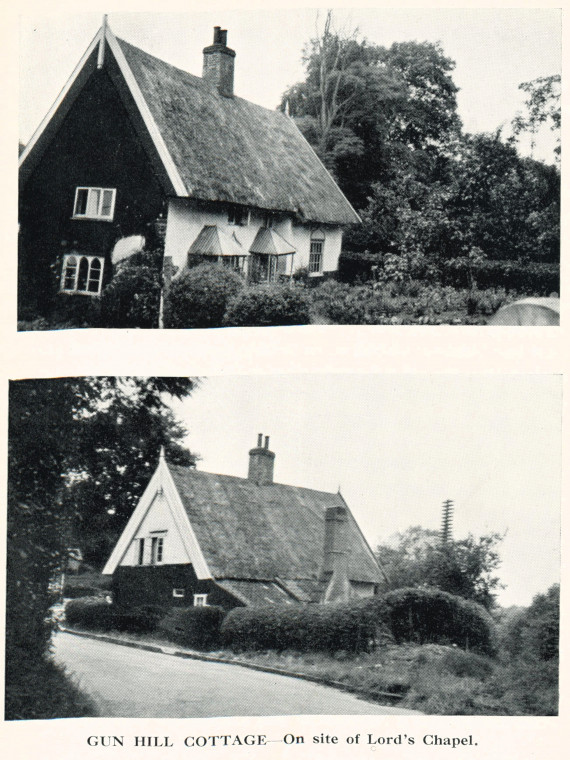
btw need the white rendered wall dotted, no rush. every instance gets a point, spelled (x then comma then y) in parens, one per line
(158, 518)
(185, 222)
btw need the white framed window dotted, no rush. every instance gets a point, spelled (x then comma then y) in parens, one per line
(94, 203)
(82, 274)
(178, 593)
(238, 215)
(156, 550)
(200, 600)
(316, 251)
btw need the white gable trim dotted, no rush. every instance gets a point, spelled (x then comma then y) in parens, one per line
(161, 480)
(160, 145)
(105, 34)
(60, 98)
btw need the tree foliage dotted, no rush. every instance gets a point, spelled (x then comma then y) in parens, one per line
(542, 106)
(466, 568)
(78, 447)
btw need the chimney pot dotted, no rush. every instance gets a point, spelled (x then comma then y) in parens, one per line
(218, 68)
(261, 461)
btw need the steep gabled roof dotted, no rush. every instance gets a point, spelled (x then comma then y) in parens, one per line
(212, 147)
(265, 532)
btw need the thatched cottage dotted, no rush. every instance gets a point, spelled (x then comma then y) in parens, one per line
(134, 144)
(198, 538)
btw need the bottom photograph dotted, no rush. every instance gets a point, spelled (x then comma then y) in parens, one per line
(274, 545)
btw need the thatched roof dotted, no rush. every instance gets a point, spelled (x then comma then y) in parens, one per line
(264, 533)
(228, 149)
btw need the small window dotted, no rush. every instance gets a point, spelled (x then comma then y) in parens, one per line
(156, 550)
(200, 600)
(82, 274)
(178, 593)
(238, 215)
(94, 203)
(316, 253)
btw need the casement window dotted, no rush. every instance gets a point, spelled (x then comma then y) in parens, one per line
(316, 253)
(200, 600)
(238, 215)
(94, 203)
(156, 550)
(141, 551)
(82, 274)
(178, 593)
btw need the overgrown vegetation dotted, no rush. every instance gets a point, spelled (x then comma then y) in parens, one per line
(268, 306)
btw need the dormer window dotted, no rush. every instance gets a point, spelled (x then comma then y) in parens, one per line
(238, 215)
(94, 203)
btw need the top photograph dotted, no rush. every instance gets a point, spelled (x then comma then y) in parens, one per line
(290, 167)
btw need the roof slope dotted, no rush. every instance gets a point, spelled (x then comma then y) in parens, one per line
(264, 532)
(228, 149)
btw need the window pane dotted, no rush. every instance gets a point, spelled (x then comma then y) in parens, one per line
(95, 273)
(93, 202)
(83, 274)
(81, 202)
(70, 270)
(107, 203)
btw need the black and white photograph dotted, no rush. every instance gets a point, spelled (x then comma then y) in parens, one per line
(262, 167)
(265, 545)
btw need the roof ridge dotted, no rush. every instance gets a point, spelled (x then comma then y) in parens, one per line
(193, 470)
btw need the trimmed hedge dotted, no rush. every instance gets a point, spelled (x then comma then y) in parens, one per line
(271, 306)
(350, 627)
(96, 614)
(195, 627)
(424, 615)
(530, 278)
(200, 296)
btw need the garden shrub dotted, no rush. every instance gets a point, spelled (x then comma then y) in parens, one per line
(95, 613)
(199, 297)
(91, 612)
(531, 278)
(132, 298)
(195, 627)
(424, 615)
(350, 627)
(263, 306)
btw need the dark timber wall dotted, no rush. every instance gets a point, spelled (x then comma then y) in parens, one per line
(96, 146)
(153, 584)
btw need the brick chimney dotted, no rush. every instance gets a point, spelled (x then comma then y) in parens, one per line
(218, 68)
(261, 462)
(335, 561)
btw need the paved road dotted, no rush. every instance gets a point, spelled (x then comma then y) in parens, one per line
(131, 683)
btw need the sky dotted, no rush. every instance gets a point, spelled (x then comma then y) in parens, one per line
(398, 446)
(495, 49)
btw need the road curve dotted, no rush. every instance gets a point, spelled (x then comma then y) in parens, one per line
(131, 683)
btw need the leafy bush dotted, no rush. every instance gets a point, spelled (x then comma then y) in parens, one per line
(268, 306)
(350, 627)
(92, 613)
(196, 627)
(200, 296)
(531, 278)
(97, 614)
(424, 615)
(534, 632)
(132, 298)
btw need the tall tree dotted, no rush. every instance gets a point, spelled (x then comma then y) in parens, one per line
(467, 567)
(57, 431)
(542, 106)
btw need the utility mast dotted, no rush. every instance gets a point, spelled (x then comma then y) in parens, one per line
(446, 521)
